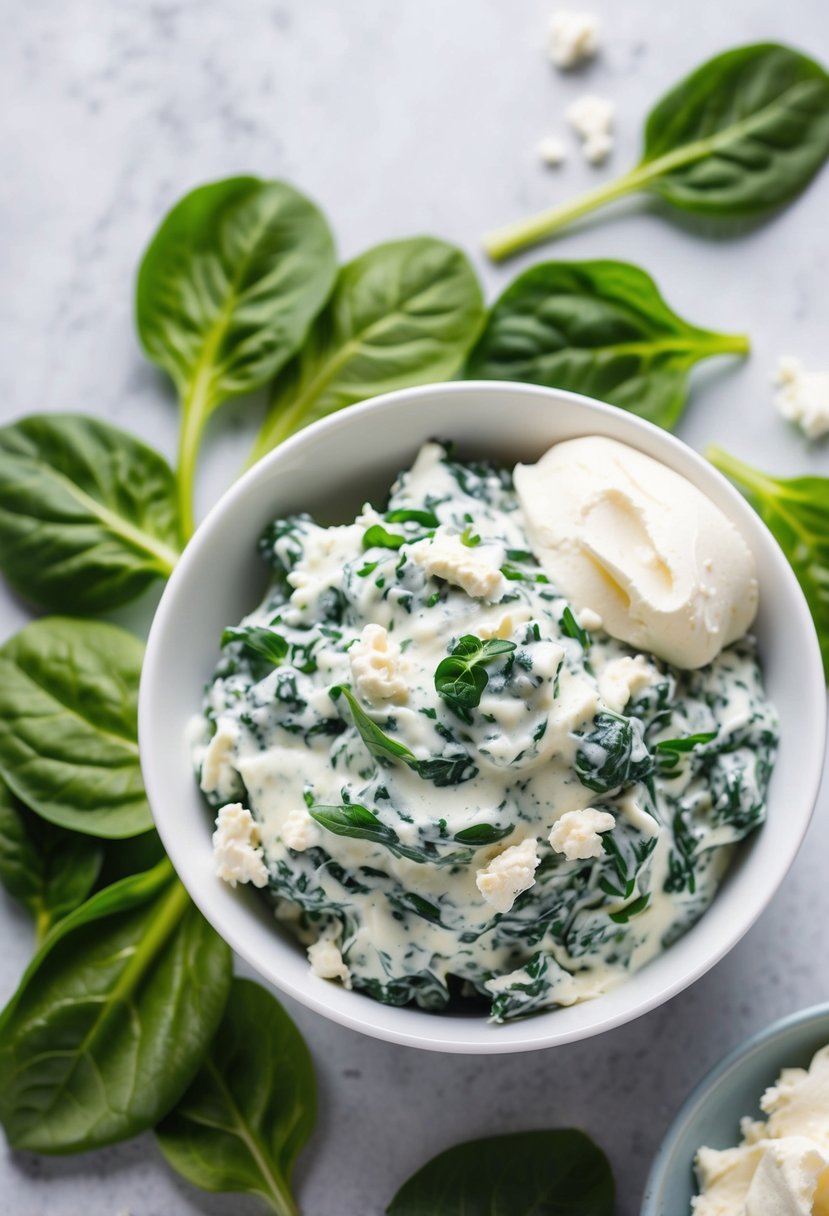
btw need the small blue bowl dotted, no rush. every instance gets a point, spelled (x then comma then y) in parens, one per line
(733, 1088)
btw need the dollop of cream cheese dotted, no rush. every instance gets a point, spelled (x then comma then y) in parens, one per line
(628, 538)
(781, 1168)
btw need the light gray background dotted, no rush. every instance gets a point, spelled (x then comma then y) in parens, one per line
(399, 117)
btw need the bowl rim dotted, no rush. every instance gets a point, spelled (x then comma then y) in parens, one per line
(430, 1035)
(730, 1063)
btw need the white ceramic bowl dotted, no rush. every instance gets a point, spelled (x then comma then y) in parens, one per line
(330, 469)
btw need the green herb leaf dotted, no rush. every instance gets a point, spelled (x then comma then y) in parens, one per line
(544, 1173)
(598, 328)
(743, 134)
(68, 725)
(260, 641)
(112, 1017)
(251, 1107)
(796, 512)
(88, 515)
(51, 871)
(572, 629)
(407, 515)
(356, 822)
(377, 537)
(460, 679)
(401, 314)
(482, 834)
(381, 746)
(226, 291)
(686, 744)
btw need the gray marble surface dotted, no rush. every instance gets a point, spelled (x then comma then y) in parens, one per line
(417, 116)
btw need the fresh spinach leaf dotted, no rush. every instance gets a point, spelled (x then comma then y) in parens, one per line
(251, 1106)
(401, 314)
(51, 871)
(226, 292)
(740, 136)
(406, 515)
(796, 512)
(88, 514)
(545, 1173)
(669, 751)
(68, 725)
(599, 328)
(461, 679)
(112, 1018)
(264, 643)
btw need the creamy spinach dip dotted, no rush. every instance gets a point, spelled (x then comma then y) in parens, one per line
(450, 785)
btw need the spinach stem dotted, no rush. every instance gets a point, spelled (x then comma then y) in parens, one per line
(504, 242)
(743, 474)
(195, 410)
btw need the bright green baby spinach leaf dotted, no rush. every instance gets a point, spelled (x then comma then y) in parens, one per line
(88, 514)
(740, 136)
(796, 512)
(251, 1106)
(112, 1017)
(260, 641)
(401, 314)
(226, 291)
(572, 629)
(68, 725)
(378, 537)
(461, 679)
(51, 871)
(546, 1173)
(598, 328)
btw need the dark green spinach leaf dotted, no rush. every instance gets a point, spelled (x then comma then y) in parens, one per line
(743, 134)
(264, 643)
(546, 1173)
(226, 291)
(598, 328)
(251, 1106)
(68, 725)
(88, 515)
(461, 679)
(51, 871)
(611, 754)
(112, 1018)
(401, 314)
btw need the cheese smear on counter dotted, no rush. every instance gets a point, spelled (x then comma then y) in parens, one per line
(781, 1168)
(453, 782)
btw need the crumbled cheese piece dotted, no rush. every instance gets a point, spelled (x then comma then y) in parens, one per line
(803, 397)
(589, 620)
(552, 151)
(475, 569)
(508, 874)
(300, 831)
(217, 757)
(327, 962)
(374, 659)
(574, 37)
(577, 834)
(597, 148)
(782, 1166)
(621, 678)
(592, 119)
(236, 847)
